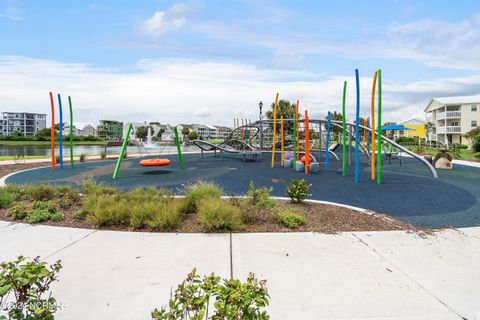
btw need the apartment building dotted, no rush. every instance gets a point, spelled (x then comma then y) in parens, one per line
(453, 117)
(222, 132)
(110, 130)
(27, 123)
(205, 132)
(417, 126)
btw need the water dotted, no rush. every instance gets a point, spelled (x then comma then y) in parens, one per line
(90, 150)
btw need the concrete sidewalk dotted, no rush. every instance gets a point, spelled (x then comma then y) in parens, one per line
(358, 275)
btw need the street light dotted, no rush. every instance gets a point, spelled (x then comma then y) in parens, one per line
(260, 105)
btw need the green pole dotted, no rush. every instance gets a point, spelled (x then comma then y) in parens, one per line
(344, 131)
(379, 128)
(122, 152)
(71, 131)
(295, 141)
(179, 150)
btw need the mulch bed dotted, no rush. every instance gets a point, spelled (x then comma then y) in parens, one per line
(11, 168)
(320, 218)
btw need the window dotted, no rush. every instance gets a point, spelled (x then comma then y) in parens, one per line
(473, 108)
(474, 123)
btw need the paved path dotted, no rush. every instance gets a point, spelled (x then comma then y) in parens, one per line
(357, 275)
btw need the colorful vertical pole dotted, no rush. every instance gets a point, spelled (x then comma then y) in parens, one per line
(274, 138)
(344, 132)
(372, 128)
(243, 132)
(60, 127)
(357, 127)
(379, 128)
(71, 130)
(368, 135)
(327, 141)
(295, 140)
(297, 149)
(282, 140)
(307, 143)
(122, 151)
(52, 131)
(179, 149)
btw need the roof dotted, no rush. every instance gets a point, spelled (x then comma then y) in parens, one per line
(436, 103)
(412, 121)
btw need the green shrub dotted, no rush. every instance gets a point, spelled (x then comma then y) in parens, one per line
(216, 214)
(19, 211)
(260, 196)
(16, 191)
(198, 191)
(90, 187)
(28, 283)
(57, 216)
(83, 157)
(290, 219)
(166, 217)
(476, 144)
(38, 215)
(232, 299)
(40, 192)
(297, 190)
(108, 210)
(68, 197)
(6, 199)
(103, 155)
(45, 205)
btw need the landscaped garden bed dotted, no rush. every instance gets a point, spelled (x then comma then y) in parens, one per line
(203, 209)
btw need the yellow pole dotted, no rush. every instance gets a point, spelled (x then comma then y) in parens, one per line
(372, 127)
(274, 130)
(282, 135)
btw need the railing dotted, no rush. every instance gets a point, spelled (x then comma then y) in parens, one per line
(449, 129)
(448, 114)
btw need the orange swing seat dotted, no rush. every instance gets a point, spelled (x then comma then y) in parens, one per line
(154, 162)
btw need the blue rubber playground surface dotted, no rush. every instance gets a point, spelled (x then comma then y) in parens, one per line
(408, 192)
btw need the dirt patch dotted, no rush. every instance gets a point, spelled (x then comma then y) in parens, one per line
(320, 218)
(11, 168)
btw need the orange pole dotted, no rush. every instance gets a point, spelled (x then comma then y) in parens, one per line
(282, 137)
(274, 139)
(372, 127)
(52, 131)
(307, 143)
(296, 133)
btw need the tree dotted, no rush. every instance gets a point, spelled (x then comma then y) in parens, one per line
(476, 144)
(141, 132)
(428, 129)
(160, 132)
(192, 135)
(185, 132)
(287, 110)
(472, 134)
(44, 134)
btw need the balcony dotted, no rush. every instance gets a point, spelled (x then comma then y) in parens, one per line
(449, 129)
(448, 115)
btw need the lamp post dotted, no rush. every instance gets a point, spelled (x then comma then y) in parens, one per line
(260, 105)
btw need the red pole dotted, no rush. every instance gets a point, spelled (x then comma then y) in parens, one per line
(52, 132)
(307, 143)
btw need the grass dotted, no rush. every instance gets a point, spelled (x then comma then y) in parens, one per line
(460, 154)
(198, 191)
(47, 143)
(217, 214)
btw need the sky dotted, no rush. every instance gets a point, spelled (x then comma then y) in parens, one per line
(212, 61)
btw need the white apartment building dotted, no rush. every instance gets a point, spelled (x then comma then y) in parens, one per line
(27, 123)
(453, 117)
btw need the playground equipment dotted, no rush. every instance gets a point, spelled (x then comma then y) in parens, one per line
(234, 143)
(158, 162)
(52, 131)
(71, 131)
(60, 133)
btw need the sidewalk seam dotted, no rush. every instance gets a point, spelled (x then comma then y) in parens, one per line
(406, 275)
(70, 244)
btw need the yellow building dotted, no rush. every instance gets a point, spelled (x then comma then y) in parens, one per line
(417, 126)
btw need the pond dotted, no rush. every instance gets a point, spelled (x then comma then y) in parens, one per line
(90, 150)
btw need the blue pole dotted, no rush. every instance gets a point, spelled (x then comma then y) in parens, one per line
(357, 123)
(327, 142)
(60, 133)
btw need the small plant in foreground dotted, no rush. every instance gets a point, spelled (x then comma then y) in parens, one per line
(103, 155)
(297, 190)
(217, 214)
(231, 299)
(90, 187)
(19, 211)
(290, 219)
(194, 193)
(40, 192)
(25, 285)
(83, 157)
(260, 196)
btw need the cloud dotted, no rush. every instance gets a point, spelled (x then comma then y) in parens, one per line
(10, 10)
(192, 91)
(163, 21)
